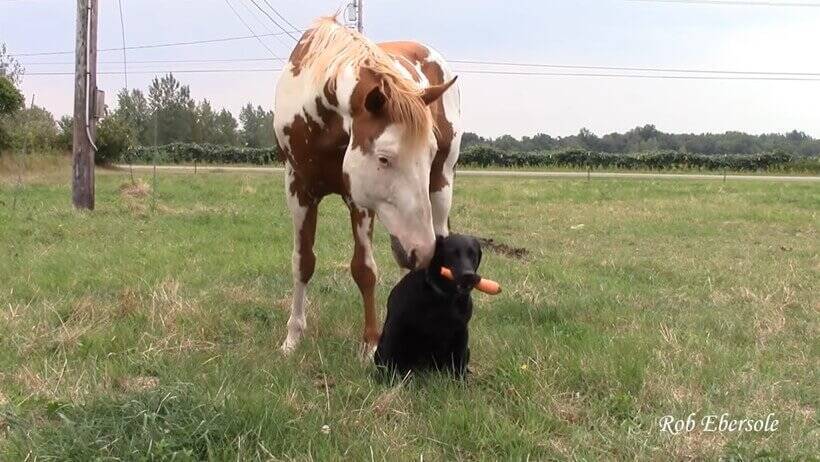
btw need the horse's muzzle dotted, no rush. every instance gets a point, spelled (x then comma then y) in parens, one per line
(402, 258)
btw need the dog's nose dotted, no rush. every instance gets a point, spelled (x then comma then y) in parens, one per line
(468, 280)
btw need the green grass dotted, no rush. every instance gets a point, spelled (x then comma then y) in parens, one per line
(149, 329)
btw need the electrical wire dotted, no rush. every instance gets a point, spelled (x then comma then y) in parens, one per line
(731, 3)
(154, 45)
(261, 42)
(273, 20)
(124, 51)
(637, 69)
(280, 16)
(474, 71)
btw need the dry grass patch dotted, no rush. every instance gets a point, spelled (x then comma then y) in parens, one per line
(135, 189)
(136, 384)
(697, 445)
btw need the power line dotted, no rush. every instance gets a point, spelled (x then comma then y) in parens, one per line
(253, 12)
(155, 45)
(273, 20)
(280, 16)
(637, 69)
(160, 71)
(737, 3)
(492, 63)
(472, 71)
(636, 76)
(261, 42)
(124, 51)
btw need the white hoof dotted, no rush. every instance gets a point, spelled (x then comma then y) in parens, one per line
(288, 346)
(366, 352)
(295, 330)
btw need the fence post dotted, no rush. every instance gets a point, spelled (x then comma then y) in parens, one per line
(724, 168)
(154, 186)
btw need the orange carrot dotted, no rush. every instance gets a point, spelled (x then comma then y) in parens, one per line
(485, 285)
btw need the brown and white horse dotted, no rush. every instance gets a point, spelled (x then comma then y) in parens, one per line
(378, 125)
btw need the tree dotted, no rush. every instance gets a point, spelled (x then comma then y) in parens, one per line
(133, 110)
(9, 66)
(114, 138)
(11, 100)
(205, 123)
(32, 127)
(173, 111)
(225, 128)
(257, 127)
(65, 132)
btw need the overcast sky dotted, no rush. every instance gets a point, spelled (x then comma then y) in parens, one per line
(618, 33)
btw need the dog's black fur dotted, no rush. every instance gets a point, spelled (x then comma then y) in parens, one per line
(427, 315)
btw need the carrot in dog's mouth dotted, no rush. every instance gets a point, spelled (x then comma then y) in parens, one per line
(485, 285)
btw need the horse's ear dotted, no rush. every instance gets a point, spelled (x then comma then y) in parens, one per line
(431, 94)
(375, 100)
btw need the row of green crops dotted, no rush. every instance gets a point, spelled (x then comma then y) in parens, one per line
(486, 156)
(187, 153)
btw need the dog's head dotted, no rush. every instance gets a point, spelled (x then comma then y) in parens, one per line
(462, 255)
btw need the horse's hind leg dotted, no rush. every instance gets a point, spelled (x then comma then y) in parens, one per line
(302, 264)
(441, 188)
(363, 269)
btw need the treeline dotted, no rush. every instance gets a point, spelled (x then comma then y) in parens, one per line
(165, 124)
(488, 156)
(165, 114)
(650, 139)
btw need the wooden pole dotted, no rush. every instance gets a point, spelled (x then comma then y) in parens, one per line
(359, 19)
(85, 84)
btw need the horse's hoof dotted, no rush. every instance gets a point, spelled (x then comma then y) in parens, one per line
(366, 352)
(288, 345)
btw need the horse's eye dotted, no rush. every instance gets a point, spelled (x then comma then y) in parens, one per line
(384, 161)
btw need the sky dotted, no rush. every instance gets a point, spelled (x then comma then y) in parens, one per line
(618, 33)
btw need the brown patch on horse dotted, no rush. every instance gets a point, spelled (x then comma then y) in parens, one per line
(368, 123)
(307, 235)
(411, 50)
(418, 54)
(299, 52)
(444, 134)
(316, 153)
(364, 276)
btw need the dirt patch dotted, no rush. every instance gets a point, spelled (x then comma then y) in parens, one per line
(504, 249)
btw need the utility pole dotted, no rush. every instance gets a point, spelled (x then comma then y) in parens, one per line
(353, 15)
(85, 113)
(359, 19)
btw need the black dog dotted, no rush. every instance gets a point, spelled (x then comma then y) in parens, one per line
(427, 315)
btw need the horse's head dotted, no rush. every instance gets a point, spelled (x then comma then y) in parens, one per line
(388, 161)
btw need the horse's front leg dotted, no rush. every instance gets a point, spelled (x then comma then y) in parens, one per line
(363, 269)
(303, 262)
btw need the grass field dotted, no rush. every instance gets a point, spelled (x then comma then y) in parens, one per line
(149, 329)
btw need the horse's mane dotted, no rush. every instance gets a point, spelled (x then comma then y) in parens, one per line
(331, 47)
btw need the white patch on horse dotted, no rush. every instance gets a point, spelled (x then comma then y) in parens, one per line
(451, 101)
(297, 322)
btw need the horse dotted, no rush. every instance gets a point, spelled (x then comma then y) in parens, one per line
(379, 125)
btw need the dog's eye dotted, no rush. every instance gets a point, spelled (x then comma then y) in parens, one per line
(384, 161)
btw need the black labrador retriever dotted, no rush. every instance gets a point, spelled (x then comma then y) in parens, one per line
(427, 314)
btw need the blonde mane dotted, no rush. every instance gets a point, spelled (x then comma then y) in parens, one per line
(332, 47)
